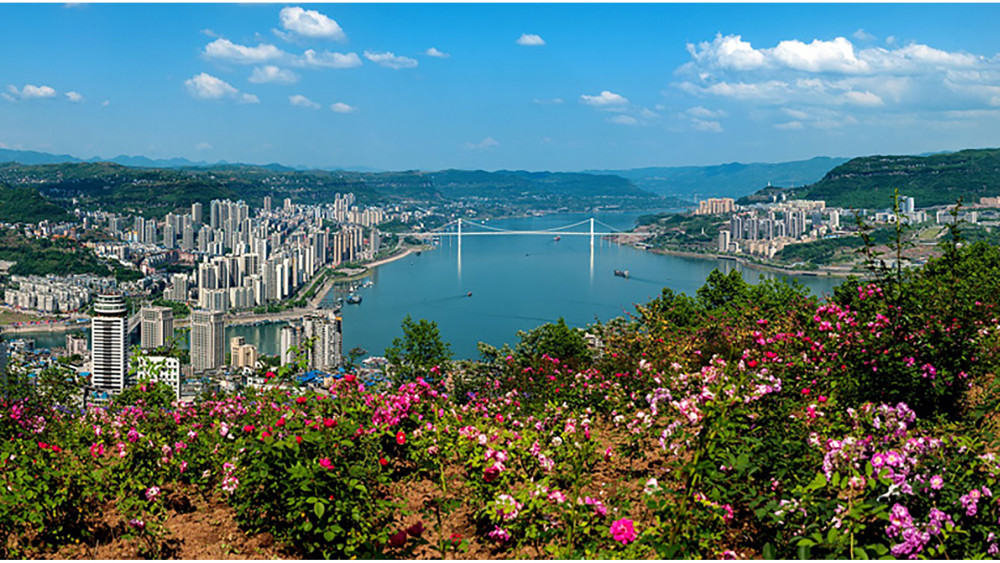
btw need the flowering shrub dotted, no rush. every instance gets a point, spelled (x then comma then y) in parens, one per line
(747, 421)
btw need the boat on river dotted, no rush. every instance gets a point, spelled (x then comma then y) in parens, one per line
(622, 273)
(354, 299)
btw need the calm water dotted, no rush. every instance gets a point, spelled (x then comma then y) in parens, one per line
(517, 283)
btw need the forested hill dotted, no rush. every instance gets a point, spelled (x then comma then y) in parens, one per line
(938, 179)
(26, 205)
(156, 191)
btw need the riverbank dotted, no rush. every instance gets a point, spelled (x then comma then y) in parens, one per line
(824, 271)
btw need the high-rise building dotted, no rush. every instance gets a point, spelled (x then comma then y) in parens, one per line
(207, 340)
(157, 326)
(109, 352)
(76, 345)
(267, 203)
(197, 213)
(291, 337)
(241, 354)
(162, 369)
(327, 346)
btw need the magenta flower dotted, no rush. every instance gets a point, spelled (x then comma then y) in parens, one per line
(623, 531)
(325, 463)
(152, 493)
(937, 482)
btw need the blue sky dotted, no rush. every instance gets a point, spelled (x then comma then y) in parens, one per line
(495, 86)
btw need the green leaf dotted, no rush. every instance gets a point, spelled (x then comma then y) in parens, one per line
(818, 482)
(803, 551)
(860, 553)
(319, 508)
(768, 552)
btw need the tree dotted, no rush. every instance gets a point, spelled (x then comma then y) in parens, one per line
(555, 339)
(418, 351)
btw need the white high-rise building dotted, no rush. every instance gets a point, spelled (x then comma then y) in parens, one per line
(207, 340)
(157, 326)
(162, 369)
(109, 351)
(327, 348)
(291, 337)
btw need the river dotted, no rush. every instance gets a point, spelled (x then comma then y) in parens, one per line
(517, 283)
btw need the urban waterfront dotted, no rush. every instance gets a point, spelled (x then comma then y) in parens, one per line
(517, 283)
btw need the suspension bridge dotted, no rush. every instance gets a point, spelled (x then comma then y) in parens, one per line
(489, 230)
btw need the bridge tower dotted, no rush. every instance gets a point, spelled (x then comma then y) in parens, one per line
(460, 235)
(591, 235)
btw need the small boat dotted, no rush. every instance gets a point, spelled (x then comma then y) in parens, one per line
(418, 253)
(468, 294)
(557, 239)
(622, 273)
(354, 299)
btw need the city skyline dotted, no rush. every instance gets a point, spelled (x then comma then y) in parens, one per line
(522, 86)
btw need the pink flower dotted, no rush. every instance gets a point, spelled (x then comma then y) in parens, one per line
(623, 531)
(97, 450)
(499, 534)
(937, 482)
(152, 493)
(325, 463)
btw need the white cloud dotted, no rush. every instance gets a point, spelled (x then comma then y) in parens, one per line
(328, 59)
(485, 144)
(272, 74)
(302, 101)
(390, 60)
(311, 24)
(209, 33)
(605, 99)
(207, 87)
(789, 125)
(341, 107)
(624, 120)
(863, 99)
(226, 50)
(434, 52)
(862, 35)
(530, 40)
(547, 102)
(705, 113)
(707, 126)
(29, 92)
(731, 53)
(74, 96)
(202, 146)
(106, 103)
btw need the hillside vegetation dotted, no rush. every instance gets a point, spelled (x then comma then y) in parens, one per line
(157, 191)
(41, 256)
(938, 179)
(26, 205)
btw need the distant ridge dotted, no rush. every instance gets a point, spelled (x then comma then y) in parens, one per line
(734, 179)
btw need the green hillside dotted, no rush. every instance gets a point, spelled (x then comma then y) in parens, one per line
(26, 205)
(938, 179)
(157, 191)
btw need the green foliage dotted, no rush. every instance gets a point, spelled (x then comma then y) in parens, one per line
(419, 351)
(26, 205)
(556, 340)
(938, 179)
(44, 256)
